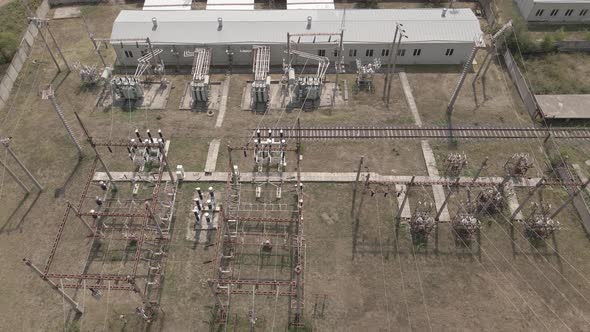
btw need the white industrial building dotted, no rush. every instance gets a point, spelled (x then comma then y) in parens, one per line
(555, 11)
(167, 5)
(310, 4)
(435, 36)
(230, 4)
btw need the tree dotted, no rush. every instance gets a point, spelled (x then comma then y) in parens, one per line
(8, 46)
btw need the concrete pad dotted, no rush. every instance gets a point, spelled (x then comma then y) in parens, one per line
(223, 103)
(212, 156)
(66, 12)
(155, 97)
(202, 232)
(278, 98)
(512, 200)
(410, 98)
(213, 104)
(564, 106)
(437, 190)
(406, 212)
(282, 97)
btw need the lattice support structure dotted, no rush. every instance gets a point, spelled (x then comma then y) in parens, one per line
(261, 233)
(142, 225)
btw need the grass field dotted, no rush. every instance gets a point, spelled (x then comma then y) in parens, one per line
(13, 23)
(548, 71)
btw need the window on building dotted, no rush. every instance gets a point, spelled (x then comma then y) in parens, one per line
(129, 54)
(449, 51)
(351, 52)
(401, 52)
(583, 12)
(369, 53)
(385, 52)
(554, 12)
(335, 52)
(417, 51)
(569, 12)
(322, 52)
(540, 12)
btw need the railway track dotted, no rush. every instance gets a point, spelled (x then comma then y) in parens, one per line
(414, 132)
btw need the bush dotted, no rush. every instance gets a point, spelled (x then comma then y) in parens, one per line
(8, 46)
(520, 41)
(548, 44)
(367, 4)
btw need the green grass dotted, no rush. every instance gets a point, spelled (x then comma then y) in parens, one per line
(13, 23)
(558, 73)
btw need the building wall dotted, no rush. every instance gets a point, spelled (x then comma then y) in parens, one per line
(525, 7)
(430, 53)
(542, 11)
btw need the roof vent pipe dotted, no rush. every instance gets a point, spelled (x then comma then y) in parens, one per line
(444, 12)
(308, 22)
(220, 23)
(155, 23)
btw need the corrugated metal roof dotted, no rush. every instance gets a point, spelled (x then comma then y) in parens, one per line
(152, 5)
(272, 26)
(230, 4)
(310, 4)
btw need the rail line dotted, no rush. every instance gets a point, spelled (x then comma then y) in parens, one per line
(432, 132)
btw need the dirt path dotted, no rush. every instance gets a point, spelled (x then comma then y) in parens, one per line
(3, 2)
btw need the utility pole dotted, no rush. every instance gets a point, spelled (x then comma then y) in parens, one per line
(483, 165)
(6, 143)
(355, 186)
(38, 26)
(569, 200)
(338, 66)
(48, 94)
(57, 45)
(44, 23)
(393, 52)
(79, 309)
(405, 200)
(389, 61)
(444, 204)
(104, 166)
(20, 183)
(91, 36)
(165, 159)
(358, 213)
(485, 65)
(537, 186)
(464, 73)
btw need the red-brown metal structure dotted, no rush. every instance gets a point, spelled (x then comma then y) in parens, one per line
(241, 228)
(145, 222)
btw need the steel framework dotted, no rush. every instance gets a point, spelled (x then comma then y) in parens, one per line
(252, 233)
(142, 225)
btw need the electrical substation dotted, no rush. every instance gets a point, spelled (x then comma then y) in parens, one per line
(320, 167)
